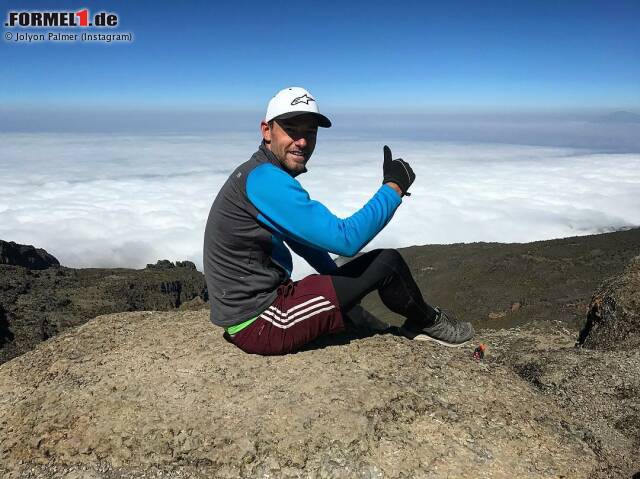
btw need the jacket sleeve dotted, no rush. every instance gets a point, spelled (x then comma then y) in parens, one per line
(285, 206)
(318, 260)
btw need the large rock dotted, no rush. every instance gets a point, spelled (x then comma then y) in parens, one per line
(25, 255)
(151, 394)
(598, 392)
(613, 320)
(166, 264)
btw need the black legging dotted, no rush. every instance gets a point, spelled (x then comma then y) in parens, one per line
(386, 271)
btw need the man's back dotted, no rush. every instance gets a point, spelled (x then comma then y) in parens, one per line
(241, 275)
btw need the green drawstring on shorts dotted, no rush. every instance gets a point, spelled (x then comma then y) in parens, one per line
(236, 328)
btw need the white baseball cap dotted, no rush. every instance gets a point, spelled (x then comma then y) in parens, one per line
(294, 101)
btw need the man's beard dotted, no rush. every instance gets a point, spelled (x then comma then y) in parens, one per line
(296, 169)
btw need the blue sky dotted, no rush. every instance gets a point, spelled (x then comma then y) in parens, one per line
(360, 55)
(504, 105)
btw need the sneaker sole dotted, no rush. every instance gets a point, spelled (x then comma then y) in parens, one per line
(426, 337)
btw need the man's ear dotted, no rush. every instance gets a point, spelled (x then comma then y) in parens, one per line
(266, 132)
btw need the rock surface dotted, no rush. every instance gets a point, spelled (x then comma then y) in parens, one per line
(36, 305)
(26, 256)
(151, 394)
(613, 321)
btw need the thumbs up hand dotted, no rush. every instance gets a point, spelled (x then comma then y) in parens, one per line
(397, 171)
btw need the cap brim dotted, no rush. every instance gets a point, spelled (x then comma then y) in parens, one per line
(323, 121)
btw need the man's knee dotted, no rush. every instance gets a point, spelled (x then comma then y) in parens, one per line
(390, 255)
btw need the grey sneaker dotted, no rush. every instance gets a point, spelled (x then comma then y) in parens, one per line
(446, 330)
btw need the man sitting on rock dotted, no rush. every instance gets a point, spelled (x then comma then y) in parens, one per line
(262, 206)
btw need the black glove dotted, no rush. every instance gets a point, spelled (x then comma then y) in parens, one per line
(397, 171)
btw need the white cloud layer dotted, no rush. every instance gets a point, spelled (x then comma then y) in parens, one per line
(125, 201)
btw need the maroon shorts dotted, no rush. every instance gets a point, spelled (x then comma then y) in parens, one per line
(302, 311)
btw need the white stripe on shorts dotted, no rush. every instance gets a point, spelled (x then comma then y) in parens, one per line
(287, 319)
(297, 306)
(276, 322)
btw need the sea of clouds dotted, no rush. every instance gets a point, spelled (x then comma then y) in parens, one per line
(125, 200)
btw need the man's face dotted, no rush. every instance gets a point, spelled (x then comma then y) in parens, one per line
(292, 141)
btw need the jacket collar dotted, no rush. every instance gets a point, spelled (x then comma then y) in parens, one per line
(269, 156)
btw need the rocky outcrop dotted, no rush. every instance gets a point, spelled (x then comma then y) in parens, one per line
(26, 256)
(598, 392)
(151, 394)
(613, 320)
(38, 304)
(166, 264)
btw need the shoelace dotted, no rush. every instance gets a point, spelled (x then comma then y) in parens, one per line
(450, 319)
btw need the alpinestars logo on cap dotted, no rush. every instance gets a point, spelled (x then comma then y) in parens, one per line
(302, 99)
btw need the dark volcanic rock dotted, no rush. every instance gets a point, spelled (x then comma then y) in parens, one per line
(613, 321)
(25, 255)
(185, 264)
(550, 280)
(5, 333)
(37, 305)
(166, 264)
(162, 264)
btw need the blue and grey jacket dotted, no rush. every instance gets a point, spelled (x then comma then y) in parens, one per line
(259, 209)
